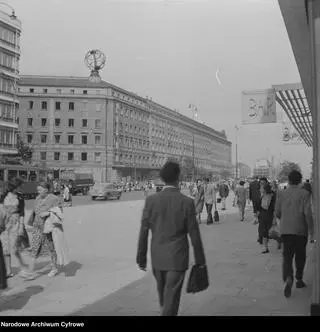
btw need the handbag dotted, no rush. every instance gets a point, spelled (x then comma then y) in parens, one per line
(198, 279)
(216, 216)
(219, 200)
(274, 233)
(23, 240)
(31, 218)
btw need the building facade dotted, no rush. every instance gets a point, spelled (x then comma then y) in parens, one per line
(73, 123)
(10, 30)
(244, 171)
(263, 168)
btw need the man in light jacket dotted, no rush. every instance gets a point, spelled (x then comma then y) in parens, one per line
(293, 208)
(171, 217)
(209, 199)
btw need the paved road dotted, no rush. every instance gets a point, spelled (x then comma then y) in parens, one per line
(85, 200)
(102, 278)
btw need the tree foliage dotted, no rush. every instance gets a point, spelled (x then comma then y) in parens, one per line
(286, 168)
(24, 150)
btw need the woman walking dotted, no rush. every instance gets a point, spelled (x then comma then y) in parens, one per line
(241, 198)
(266, 214)
(15, 238)
(199, 199)
(67, 199)
(44, 203)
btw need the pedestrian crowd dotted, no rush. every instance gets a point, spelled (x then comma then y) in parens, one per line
(45, 223)
(282, 215)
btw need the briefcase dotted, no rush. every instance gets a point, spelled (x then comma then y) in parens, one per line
(198, 279)
(216, 216)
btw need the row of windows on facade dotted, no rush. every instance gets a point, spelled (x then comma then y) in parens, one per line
(57, 139)
(70, 156)
(44, 105)
(126, 127)
(9, 36)
(8, 61)
(133, 115)
(7, 136)
(7, 112)
(131, 142)
(7, 85)
(59, 91)
(71, 122)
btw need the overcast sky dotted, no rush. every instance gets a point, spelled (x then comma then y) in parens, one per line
(170, 50)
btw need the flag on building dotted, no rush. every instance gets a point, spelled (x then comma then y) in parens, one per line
(259, 107)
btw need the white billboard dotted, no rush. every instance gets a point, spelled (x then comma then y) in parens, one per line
(259, 106)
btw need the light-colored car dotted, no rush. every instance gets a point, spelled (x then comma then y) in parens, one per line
(105, 191)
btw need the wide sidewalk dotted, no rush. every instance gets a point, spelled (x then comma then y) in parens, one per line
(103, 278)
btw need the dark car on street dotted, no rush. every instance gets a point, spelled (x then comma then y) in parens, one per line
(105, 191)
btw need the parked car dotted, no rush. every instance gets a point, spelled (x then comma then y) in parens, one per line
(105, 191)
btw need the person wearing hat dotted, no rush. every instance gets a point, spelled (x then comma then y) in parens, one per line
(171, 217)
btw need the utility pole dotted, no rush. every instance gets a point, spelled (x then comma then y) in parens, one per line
(237, 129)
(193, 160)
(194, 111)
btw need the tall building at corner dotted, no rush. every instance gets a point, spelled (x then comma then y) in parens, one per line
(75, 124)
(10, 30)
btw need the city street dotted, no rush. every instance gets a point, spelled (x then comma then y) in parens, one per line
(102, 278)
(85, 200)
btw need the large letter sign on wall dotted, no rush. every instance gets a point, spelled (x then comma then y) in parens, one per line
(259, 107)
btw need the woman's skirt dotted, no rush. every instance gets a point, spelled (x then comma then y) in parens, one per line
(3, 271)
(265, 223)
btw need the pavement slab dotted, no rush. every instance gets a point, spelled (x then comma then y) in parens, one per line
(102, 278)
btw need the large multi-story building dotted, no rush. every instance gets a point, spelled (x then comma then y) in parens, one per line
(244, 171)
(10, 30)
(263, 168)
(73, 123)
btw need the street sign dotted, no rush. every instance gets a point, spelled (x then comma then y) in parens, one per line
(259, 106)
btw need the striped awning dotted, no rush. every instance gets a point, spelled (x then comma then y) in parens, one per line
(293, 100)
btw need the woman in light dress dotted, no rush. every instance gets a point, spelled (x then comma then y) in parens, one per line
(43, 204)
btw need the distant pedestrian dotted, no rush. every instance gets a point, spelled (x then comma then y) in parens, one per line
(266, 214)
(254, 196)
(199, 199)
(293, 208)
(224, 193)
(146, 190)
(67, 198)
(307, 187)
(209, 199)
(171, 217)
(240, 198)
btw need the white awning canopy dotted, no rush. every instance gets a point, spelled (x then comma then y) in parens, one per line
(293, 100)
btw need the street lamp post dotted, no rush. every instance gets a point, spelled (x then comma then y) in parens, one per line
(237, 130)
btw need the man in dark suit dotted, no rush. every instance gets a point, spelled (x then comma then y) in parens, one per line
(171, 217)
(254, 196)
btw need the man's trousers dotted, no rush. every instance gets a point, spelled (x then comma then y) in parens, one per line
(169, 285)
